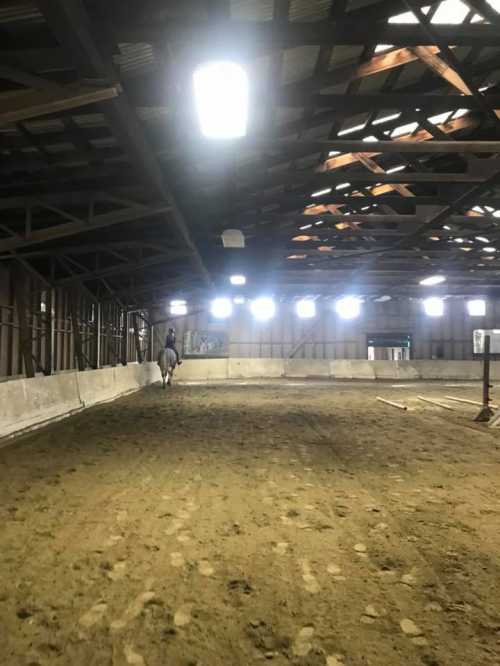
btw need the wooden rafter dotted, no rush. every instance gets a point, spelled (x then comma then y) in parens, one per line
(30, 104)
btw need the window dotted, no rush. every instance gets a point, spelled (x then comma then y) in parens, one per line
(389, 346)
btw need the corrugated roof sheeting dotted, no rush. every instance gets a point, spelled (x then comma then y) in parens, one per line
(44, 126)
(305, 10)
(252, 10)
(20, 13)
(134, 59)
(90, 120)
(262, 10)
(152, 114)
(298, 63)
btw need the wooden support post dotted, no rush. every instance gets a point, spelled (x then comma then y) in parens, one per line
(25, 332)
(137, 338)
(49, 331)
(96, 348)
(486, 412)
(151, 341)
(74, 305)
(124, 350)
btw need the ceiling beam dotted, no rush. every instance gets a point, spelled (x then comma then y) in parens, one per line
(31, 104)
(79, 226)
(125, 267)
(388, 101)
(256, 35)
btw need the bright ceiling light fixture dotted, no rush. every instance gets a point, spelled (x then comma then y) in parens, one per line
(348, 307)
(221, 308)
(239, 300)
(178, 307)
(263, 308)
(305, 308)
(432, 280)
(489, 249)
(476, 307)
(221, 94)
(238, 280)
(483, 239)
(434, 307)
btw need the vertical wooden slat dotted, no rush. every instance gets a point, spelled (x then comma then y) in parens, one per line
(25, 331)
(124, 341)
(75, 313)
(137, 338)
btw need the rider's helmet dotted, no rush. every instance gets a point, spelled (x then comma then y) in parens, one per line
(171, 330)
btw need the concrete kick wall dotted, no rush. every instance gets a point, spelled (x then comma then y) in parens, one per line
(248, 368)
(27, 403)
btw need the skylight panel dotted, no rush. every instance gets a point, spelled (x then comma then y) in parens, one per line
(383, 47)
(396, 168)
(439, 118)
(320, 193)
(356, 128)
(404, 129)
(407, 17)
(459, 113)
(450, 11)
(495, 4)
(385, 119)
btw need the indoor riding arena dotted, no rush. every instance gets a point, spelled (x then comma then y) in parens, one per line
(250, 332)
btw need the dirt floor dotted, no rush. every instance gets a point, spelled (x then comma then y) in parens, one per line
(297, 523)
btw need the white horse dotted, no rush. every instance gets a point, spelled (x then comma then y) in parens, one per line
(167, 361)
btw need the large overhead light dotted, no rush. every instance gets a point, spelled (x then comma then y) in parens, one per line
(305, 308)
(178, 307)
(238, 280)
(476, 307)
(432, 280)
(348, 307)
(434, 307)
(263, 308)
(221, 308)
(221, 98)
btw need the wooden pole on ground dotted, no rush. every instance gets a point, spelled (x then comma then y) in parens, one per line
(435, 402)
(469, 402)
(392, 404)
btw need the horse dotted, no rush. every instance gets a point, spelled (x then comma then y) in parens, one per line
(167, 361)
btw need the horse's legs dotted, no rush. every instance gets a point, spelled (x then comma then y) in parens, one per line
(163, 378)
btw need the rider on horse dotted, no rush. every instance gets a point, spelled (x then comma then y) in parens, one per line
(170, 344)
